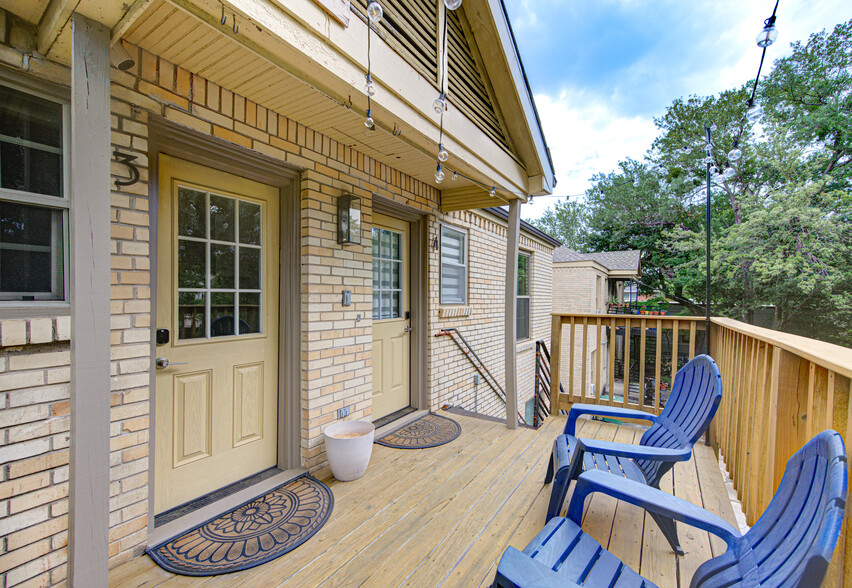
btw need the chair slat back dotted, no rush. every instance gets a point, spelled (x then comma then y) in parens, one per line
(695, 396)
(792, 542)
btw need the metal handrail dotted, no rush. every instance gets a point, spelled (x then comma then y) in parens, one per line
(478, 364)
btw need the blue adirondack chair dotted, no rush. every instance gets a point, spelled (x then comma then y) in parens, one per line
(695, 397)
(790, 545)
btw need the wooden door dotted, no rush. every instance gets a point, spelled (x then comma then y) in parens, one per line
(217, 295)
(391, 316)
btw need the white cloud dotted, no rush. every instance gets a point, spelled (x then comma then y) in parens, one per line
(586, 137)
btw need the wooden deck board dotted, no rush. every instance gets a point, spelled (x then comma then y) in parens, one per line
(443, 516)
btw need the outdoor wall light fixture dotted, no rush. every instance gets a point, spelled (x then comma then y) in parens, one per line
(348, 219)
(120, 58)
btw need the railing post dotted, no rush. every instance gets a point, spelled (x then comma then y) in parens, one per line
(555, 362)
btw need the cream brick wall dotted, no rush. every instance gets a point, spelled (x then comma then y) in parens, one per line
(451, 380)
(34, 438)
(336, 365)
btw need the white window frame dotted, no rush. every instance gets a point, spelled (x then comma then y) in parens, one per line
(466, 240)
(527, 297)
(61, 231)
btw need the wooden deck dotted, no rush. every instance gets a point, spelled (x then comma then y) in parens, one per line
(443, 516)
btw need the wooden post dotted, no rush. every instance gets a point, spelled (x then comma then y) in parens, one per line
(556, 361)
(88, 524)
(511, 313)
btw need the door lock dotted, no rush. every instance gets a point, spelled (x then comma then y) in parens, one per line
(163, 362)
(407, 329)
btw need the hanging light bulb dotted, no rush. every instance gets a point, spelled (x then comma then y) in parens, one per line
(708, 159)
(442, 153)
(687, 150)
(754, 112)
(713, 128)
(370, 87)
(439, 174)
(768, 35)
(636, 183)
(729, 173)
(374, 11)
(493, 192)
(530, 200)
(368, 122)
(440, 103)
(455, 175)
(735, 154)
(452, 4)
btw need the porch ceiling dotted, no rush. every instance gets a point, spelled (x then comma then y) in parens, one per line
(180, 31)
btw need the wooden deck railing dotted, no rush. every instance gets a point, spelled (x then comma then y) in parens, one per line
(779, 390)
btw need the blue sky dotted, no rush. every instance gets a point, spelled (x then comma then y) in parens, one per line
(602, 69)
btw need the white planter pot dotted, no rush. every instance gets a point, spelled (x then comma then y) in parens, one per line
(349, 446)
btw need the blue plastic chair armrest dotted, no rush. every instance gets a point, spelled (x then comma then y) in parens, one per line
(633, 451)
(518, 569)
(605, 411)
(650, 499)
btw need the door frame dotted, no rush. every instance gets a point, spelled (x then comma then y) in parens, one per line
(187, 144)
(418, 295)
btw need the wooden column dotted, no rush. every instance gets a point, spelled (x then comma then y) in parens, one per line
(88, 525)
(511, 313)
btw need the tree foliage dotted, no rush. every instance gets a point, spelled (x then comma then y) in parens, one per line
(781, 225)
(566, 222)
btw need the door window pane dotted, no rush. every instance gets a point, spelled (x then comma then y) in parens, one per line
(222, 211)
(192, 310)
(228, 275)
(387, 274)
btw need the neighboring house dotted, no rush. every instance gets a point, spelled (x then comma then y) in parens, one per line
(188, 293)
(583, 283)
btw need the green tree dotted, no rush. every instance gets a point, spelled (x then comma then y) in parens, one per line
(566, 221)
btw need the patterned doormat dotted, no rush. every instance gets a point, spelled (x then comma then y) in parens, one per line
(252, 534)
(430, 430)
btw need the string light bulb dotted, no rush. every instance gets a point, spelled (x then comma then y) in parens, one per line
(368, 122)
(442, 153)
(768, 35)
(440, 103)
(736, 153)
(754, 112)
(452, 4)
(687, 150)
(729, 173)
(375, 11)
(439, 174)
(493, 192)
(455, 175)
(370, 87)
(636, 183)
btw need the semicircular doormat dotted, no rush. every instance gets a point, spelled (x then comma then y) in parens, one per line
(430, 430)
(252, 534)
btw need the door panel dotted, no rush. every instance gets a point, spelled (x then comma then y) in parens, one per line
(217, 293)
(391, 307)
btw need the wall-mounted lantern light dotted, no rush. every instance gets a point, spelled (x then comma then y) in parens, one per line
(348, 219)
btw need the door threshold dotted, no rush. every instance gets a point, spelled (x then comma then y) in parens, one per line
(190, 517)
(398, 422)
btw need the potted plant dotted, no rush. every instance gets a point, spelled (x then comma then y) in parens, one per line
(349, 446)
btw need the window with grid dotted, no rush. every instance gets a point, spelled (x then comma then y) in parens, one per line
(522, 330)
(219, 261)
(34, 205)
(453, 266)
(387, 274)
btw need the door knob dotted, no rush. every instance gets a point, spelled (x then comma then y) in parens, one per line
(407, 329)
(163, 362)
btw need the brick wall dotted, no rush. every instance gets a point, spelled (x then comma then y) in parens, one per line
(452, 375)
(34, 439)
(336, 366)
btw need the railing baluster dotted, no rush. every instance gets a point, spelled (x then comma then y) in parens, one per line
(829, 408)
(810, 412)
(658, 365)
(613, 324)
(642, 364)
(675, 346)
(626, 392)
(598, 385)
(571, 375)
(692, 339)
(772, 426)
(583, 386)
